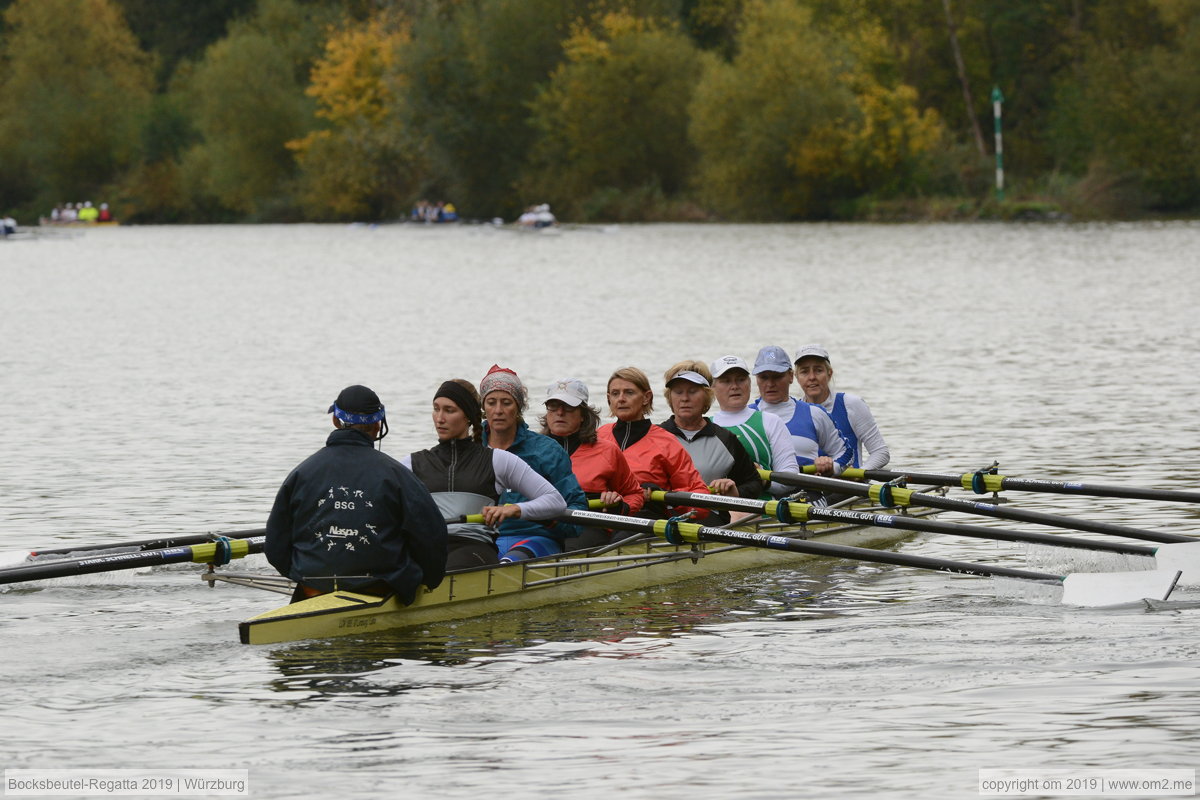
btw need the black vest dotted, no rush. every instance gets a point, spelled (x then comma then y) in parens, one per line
(457, 465)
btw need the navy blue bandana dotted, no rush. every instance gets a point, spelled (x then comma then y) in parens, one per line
(357, 405)
(357, 419)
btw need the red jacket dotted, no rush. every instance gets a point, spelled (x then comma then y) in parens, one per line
(660, 459)
(601, 467)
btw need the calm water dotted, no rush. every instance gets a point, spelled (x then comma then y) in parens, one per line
(166, 379)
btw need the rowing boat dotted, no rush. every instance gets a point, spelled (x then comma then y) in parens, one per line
(636, 563)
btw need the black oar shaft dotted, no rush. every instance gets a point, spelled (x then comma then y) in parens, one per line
(993, 483)
(62, 568)
(904, 497)
(150, 544)
(808, 546)
(801, 510)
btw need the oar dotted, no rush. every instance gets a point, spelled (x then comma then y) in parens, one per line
(209, 552)
(477, 519)
(1180, 552)
(886, 494)
(801, 512)
(146, 544)
(985, 481)
(1079, 589)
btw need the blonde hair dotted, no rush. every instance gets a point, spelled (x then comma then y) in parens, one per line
(689, 365)
(638, 379)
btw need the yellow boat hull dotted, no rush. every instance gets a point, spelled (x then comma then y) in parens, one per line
(533, 584)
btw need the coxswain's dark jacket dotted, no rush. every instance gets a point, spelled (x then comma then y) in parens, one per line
(351, 511)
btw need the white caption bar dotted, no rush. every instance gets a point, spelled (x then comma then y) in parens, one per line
(126, 782)
(1090, 782)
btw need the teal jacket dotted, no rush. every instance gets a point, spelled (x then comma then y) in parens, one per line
(548, 459)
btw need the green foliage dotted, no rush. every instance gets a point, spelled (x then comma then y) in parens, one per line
(473, 76)
(75, 87)
(1138, 108)
(799, 123)
(180, 29)
(792, 108)
(247, 100)
(614, 115)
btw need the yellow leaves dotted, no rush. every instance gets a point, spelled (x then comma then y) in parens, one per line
(592, 42)
(348, 81)
(351, 81)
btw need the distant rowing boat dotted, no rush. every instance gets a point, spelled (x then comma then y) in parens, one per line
(46, 222)
(643, 562)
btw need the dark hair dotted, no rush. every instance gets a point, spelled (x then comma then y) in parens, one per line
(471, 409)
(588, 422)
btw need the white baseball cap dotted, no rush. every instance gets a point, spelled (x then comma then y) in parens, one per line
(689, 375)
(811, 350)
(726, 363)
(571, 391)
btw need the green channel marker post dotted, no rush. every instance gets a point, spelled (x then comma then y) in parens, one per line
(997, 99)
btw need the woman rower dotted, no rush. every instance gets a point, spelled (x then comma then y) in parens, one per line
(598, 464)
(656, 457)
(504, 401)
(764, 436)
(718, 455)
(849, 411)
(815, 438)
(467, 478)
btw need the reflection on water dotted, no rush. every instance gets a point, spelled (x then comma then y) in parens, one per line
(594, 629)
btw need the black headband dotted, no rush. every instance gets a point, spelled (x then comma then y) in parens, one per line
(462, 398)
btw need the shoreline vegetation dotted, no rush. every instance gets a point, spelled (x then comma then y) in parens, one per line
(606, 110)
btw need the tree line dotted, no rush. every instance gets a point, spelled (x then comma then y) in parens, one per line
(284, 110)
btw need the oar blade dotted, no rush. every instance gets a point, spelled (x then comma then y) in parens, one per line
(1183, 557)
(1096, 589)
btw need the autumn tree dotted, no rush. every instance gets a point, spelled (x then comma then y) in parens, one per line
(803, 119)
(75, 87)
(613, 118)
(364, 163)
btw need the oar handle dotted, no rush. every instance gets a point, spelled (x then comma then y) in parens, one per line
(478, 518)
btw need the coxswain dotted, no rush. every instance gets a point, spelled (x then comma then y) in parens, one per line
(598, 464)
(351, 517)
(764, 436)
(467, 478)
(814, 436)
(505, 399)
(850, 412)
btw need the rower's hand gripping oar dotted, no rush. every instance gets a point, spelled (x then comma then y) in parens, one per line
(1178, 552)
(1081, 589)
(986, 481)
